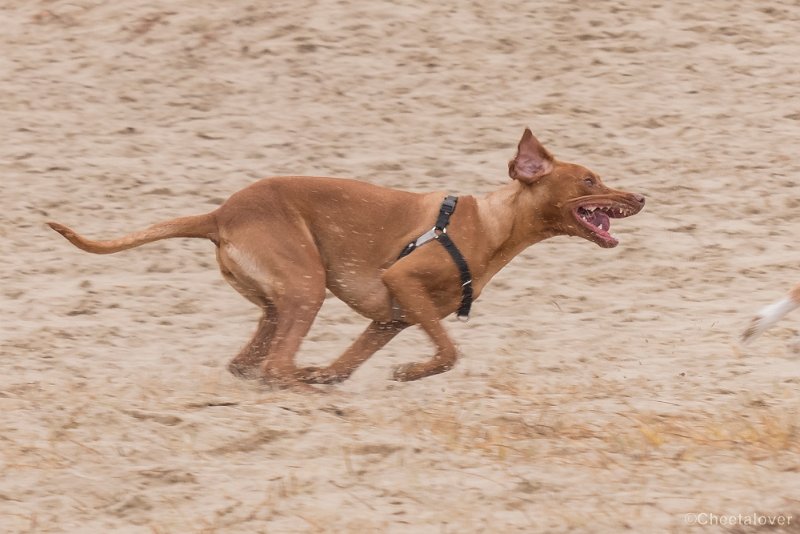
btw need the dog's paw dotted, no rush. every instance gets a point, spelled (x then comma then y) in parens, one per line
(319, 375)
(247, 372)
(277, 379)
(408, 371)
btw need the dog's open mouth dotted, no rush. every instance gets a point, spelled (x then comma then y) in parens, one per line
(597, 218)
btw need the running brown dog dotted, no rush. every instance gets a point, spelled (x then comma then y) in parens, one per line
(281, 241)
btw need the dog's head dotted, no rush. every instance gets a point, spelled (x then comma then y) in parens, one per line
(568, 198)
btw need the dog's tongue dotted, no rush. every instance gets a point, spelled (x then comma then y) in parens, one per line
(600, 220)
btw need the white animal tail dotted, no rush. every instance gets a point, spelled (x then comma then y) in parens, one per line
(771, 314)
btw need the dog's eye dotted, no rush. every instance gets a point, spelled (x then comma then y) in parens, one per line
(589, 181)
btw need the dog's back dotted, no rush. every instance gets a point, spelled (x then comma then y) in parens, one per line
(341, 214)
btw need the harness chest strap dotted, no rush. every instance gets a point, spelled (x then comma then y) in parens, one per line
(439, 233)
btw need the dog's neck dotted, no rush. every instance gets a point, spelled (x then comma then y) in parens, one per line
(509, 226)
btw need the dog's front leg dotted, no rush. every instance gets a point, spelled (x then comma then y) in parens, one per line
(415, 300)
(373, 339)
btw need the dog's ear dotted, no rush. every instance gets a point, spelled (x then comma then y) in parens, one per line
(532, 160)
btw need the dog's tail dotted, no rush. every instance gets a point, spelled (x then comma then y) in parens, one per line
(771, 314)
(192, 226)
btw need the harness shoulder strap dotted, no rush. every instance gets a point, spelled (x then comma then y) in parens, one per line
(439, 232)
(442, 220)
(447, 209)
(463, 270)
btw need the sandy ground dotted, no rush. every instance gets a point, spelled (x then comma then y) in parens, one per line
(598, 390)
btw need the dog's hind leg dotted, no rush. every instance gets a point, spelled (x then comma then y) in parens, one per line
(246, 363)
(296, 313)
(290, 290)
(368, 343)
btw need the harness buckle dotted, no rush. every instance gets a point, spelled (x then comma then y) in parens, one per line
(439, 233)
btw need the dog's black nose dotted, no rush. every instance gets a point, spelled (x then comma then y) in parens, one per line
(639, 199)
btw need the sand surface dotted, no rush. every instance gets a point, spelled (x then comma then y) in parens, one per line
(598, 390)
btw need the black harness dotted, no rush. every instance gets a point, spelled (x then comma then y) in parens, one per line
(439, 233)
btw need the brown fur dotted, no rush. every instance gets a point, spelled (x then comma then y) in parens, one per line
(282, 241)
